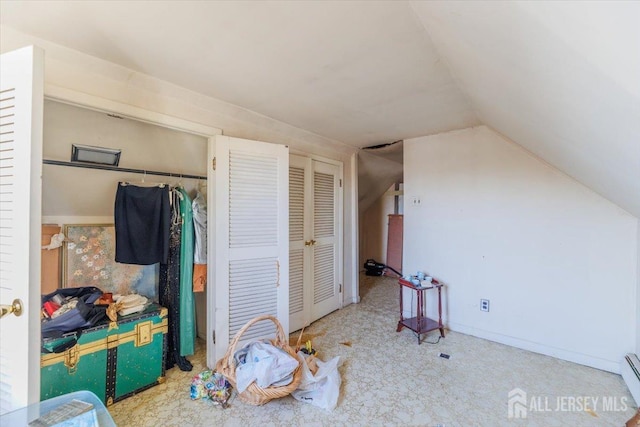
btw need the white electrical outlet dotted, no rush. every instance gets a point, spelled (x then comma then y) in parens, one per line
(416, 201)
(484, 305)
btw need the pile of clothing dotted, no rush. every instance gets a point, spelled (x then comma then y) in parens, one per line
(265, 364)
(212, 386)
(129, 304)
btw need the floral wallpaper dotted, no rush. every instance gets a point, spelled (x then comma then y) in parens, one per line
(89, 260)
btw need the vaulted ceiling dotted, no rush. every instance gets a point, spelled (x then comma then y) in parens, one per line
(559, 78)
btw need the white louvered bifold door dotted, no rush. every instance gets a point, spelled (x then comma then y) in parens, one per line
(252, 238)
(299, 233)
(325, 258)
(21, 104)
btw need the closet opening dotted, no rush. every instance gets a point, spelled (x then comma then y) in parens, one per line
(156, 149)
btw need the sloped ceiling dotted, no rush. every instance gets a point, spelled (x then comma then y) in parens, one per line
(378, 169)
(359, 72)
(562, 79)
(559, 78)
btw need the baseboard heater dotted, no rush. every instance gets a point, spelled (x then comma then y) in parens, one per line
(631, 375)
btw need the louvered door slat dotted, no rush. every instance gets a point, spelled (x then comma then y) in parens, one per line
(296, 203)
(296, 281)
(7, 196)
(252, 292)
(324, 215)
(323, 269)
(253, 202)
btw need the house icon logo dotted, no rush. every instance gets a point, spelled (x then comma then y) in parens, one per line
(517, 403)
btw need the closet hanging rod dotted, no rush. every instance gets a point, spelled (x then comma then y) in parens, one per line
(119, 169)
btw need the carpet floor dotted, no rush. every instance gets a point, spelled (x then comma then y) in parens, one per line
(389, 380)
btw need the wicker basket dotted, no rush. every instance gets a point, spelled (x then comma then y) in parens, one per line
(254, 394)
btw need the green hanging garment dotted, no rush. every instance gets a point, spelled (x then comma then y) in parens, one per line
(187, 304)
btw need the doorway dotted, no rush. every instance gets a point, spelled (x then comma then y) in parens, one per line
(149, 142)
(380, 176)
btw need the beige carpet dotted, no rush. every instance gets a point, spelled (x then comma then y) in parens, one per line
(387, 379)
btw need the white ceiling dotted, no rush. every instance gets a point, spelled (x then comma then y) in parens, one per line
(361, 73)
(558, 78)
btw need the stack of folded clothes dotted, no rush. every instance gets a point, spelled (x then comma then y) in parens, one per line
(129, 304)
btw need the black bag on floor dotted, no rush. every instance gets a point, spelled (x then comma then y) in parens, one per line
(373, 268)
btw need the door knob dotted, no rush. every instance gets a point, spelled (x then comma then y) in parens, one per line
(15, 308)
(310, 243)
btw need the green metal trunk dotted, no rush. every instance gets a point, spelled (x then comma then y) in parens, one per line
(112, 361)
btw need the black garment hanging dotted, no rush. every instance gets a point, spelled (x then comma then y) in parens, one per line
(169, 287)
(142, 222)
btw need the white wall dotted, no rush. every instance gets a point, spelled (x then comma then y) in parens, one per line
(558, 77)
(374, 228)
(74, 195)
(638, 294)
(557, 261)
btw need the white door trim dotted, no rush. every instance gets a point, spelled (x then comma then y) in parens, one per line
(80, 99)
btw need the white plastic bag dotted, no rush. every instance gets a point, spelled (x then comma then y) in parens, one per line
(321, 389)
(265, 364)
